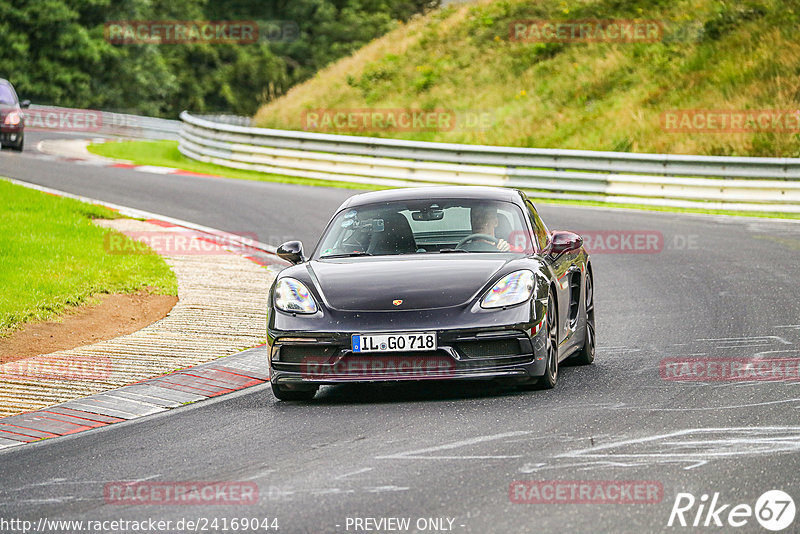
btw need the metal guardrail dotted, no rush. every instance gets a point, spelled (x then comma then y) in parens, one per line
(711, 182)
(236, 120)
(101, 122)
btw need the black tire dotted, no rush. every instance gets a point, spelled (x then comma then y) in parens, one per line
(550, 378)
(18, 147)
(281, 393)
(586, 355)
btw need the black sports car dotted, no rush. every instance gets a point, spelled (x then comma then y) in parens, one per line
(431, 283)
(12, 119)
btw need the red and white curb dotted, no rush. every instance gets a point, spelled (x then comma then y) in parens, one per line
(225, 375)
(218, 377)
(74, 151)
(154, 169)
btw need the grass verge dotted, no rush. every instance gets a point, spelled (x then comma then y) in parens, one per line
(52, 256)
(165, 153)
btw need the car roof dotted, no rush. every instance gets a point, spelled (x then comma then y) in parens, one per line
(434, 193)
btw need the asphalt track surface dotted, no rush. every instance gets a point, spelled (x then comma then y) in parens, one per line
(718, 288)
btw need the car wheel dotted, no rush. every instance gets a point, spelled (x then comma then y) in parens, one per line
(586, 354)
(285, 394)
(548, 381)
(18, 146)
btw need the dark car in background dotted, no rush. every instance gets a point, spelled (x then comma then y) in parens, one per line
(12, 118)
(431, 283)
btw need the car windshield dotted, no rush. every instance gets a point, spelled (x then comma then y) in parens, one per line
(426, 227)
(7, 97)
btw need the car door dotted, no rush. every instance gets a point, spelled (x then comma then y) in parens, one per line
(566, 274)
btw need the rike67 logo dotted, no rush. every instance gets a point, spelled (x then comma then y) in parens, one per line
(774, 510)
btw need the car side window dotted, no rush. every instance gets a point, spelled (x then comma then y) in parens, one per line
(540, 231)
(7, 95)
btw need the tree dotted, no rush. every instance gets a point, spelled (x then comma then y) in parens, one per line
(56, 51)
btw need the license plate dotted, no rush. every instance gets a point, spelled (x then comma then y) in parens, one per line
(417, 341)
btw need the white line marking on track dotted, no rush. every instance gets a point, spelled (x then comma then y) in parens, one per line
(259, 474)
(744, 340)
(329, 491)
(701, 463)
(692, 447)
(415, 454)
(384, 489)
(712, 408)
(354, 473)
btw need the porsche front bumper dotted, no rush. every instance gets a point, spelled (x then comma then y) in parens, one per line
(472, 345)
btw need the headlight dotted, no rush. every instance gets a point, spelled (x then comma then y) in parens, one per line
(12, 118)
(512, 289)
(293, 296)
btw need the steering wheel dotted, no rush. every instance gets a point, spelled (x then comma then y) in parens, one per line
(473, 237)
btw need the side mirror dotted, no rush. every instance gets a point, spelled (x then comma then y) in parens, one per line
(561, 242)
(291, 251)
(25, 104)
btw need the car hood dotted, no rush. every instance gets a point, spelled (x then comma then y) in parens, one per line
(420, 282)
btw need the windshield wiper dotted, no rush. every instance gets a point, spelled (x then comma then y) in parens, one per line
(345, 255)
(447, 250)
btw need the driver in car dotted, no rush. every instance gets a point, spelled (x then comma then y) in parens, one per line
(484, 221)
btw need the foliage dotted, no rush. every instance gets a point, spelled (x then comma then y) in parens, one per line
(56, 52)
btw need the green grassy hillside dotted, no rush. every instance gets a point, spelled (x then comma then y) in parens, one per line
(601, 96)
